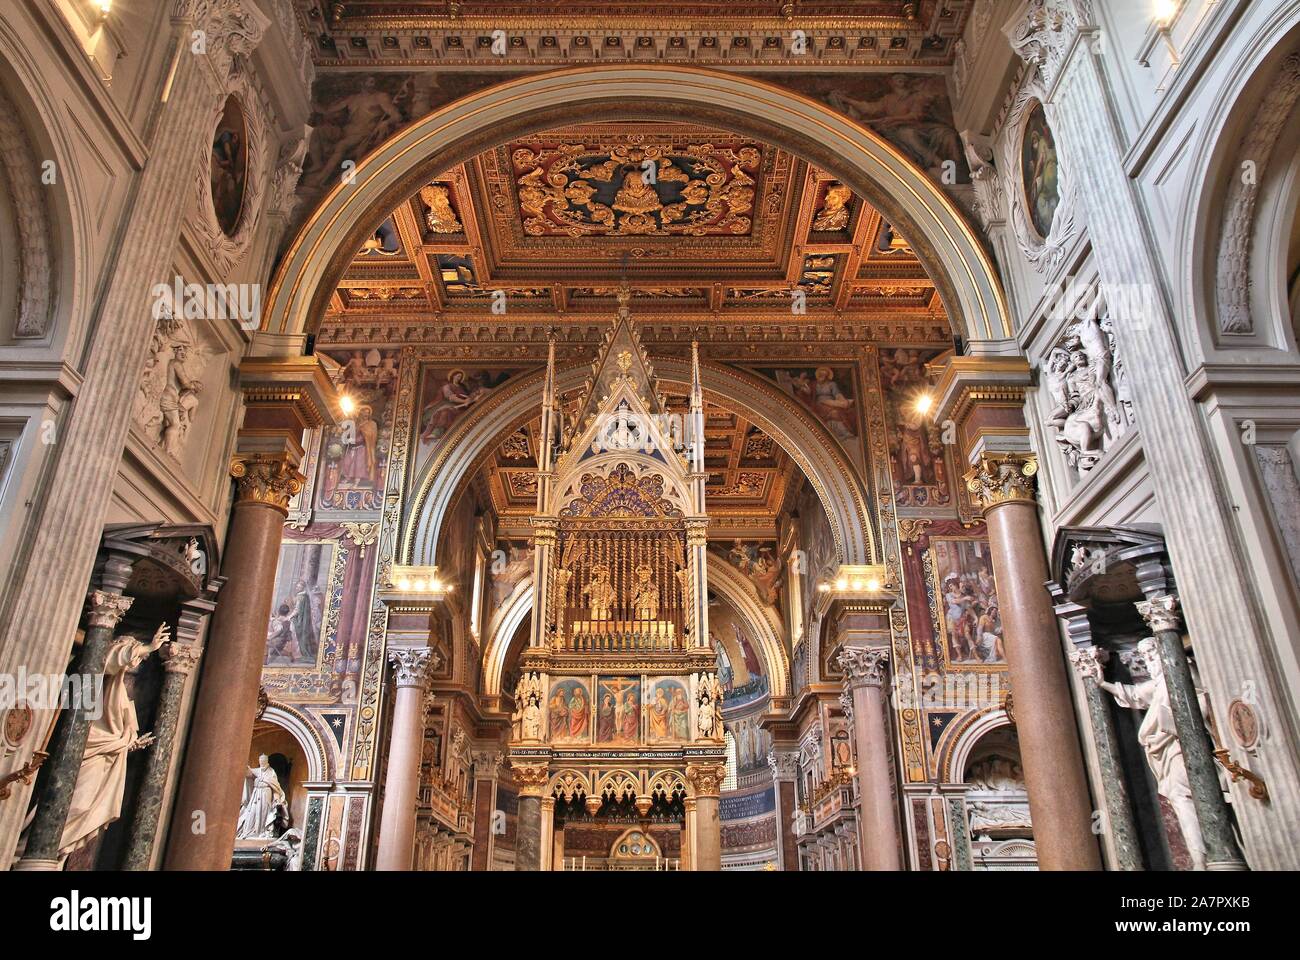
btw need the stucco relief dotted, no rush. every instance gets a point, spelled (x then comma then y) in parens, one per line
(1090, 406)
(169, 394)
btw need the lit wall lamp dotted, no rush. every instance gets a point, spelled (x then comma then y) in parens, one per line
(102, 9)
(1164, 14)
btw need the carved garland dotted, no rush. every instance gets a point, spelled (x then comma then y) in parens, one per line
(34, 255)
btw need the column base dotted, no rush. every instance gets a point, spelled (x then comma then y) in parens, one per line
(1224, 866)
(38, 865)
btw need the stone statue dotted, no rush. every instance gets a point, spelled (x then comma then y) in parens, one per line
(997, 799)
(646, 599)
(1159, 739)
(708, 714)
(600, 592)
(97, 796)
(290, 844)
(528, 707)
(262, 796)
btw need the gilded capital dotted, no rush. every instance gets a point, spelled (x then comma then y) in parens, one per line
(1161, 614)
(531, 778)
(864, 666)
(706, 778)
(265, 479)
(1005, 478)
(106, 609)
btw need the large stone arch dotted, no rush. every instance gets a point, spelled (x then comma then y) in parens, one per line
(833, 476)
(950, 250)
(764, 625)
(1235, 222)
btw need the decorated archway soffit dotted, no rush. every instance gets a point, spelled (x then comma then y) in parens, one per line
(794, 196)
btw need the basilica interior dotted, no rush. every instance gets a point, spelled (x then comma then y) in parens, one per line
(583, 436)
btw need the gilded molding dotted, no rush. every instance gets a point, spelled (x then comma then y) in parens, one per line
(267, 480)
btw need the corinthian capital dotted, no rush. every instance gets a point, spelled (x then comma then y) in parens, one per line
(1089, 662)
(1161, 614)
(1005, 478)
(265, 479)
(412, 665)
(706, 778)
(864, 666)
(531, 778)
(178, 658)
(104, 609)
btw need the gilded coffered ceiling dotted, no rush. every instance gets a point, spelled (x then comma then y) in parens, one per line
(704, 226)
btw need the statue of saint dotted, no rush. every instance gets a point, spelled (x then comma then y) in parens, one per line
(600, 592)
(101, 781)
(1159, 739)
(262, 795)
(646, 599)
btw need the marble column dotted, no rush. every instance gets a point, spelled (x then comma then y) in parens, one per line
(865, 673)
(1221, 850)
(178, 659)
(532, 779)
(688, 833)
(206, 811)
(486, 765)
(59, 774)
(45, 596)
(785, 768)
(411, 668)
(1090, 661)
(706, 782)
(548, 833)
(1059, 801)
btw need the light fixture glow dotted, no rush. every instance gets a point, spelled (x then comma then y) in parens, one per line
(924, 403)
(873, 585)
(347, 405)
(1166, 10)
(841, 584)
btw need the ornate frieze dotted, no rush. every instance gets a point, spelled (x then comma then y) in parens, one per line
(1046, 32)
(264, 479)
(1008, 478)
(20, 167)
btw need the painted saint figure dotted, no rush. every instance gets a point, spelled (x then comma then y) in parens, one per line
(578, 714)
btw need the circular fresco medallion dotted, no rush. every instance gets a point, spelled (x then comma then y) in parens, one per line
(1244, 723)
(1039, 168)
(17, 722)
(230, 167)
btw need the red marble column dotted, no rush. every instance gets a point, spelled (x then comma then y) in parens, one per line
(706, 783)
(1059, 801)
(207, 804)
(401, 788)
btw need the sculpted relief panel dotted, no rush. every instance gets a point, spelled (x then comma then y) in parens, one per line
(1090, 406)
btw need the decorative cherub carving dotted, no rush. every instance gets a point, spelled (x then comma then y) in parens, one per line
(1088, 407)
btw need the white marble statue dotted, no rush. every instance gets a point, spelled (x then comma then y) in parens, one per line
(97, 796)
(1159, 738)
(528, 707)
(290, 844)
(262, 795)
(1080, 375)
(997, 798)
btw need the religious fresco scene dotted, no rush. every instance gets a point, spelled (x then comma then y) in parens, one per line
(490, 437)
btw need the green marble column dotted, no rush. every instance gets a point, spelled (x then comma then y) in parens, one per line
(59, 775)
(1221, 849)
(1089, 661)
(178, 660)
